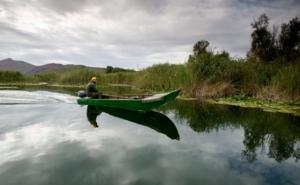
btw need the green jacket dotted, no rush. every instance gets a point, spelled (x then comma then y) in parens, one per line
(91, 89)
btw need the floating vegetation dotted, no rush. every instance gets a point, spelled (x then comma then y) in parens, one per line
(267, 105)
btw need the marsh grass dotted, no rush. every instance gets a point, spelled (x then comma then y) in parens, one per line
(207, 75)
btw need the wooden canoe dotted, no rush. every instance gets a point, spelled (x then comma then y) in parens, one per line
(132, 103)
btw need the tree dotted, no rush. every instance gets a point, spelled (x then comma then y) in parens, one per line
(263, 41)
(109, 69)
(289, 39)
(200, 47)
(223, 54)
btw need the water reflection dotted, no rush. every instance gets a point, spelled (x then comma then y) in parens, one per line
(274, 134)
(52, 144)
(153, 120)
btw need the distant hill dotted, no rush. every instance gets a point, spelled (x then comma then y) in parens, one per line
(45, 68)
(29, 69)
(15, 65)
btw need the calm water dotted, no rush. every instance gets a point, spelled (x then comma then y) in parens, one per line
(45, 138)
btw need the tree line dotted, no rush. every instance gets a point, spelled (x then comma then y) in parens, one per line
(271, 69)
(269, 45)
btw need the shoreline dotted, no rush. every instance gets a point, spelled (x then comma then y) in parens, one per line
(44, 84)
(289, 107)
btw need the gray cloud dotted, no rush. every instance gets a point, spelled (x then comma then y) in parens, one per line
(7, 30)
(270, 3)
(64, 6)
(129, 33)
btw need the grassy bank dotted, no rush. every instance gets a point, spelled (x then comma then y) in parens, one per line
(291, 107)
(211, 77)
(208, 75)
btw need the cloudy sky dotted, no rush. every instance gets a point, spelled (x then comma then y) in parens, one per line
(129, 33)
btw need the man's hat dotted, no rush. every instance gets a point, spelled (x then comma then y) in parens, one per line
(94, 78)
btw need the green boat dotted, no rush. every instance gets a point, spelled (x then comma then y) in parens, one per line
(136, 103)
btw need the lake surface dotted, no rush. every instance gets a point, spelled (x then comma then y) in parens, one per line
(46, 138)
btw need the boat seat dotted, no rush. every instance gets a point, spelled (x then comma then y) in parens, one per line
(155, 97)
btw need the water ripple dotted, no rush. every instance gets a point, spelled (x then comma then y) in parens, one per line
(10, 97)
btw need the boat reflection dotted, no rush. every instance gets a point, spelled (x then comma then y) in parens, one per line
(153, 120)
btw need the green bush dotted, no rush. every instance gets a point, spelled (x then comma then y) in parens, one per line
(163, 77)
(213, 68)
(11, 76)
(288, 79)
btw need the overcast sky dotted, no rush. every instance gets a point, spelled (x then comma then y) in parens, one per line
(129, 33)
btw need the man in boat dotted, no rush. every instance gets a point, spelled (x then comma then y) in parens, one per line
(91, 89)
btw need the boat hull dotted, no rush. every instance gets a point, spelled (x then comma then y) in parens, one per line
(145, 104)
